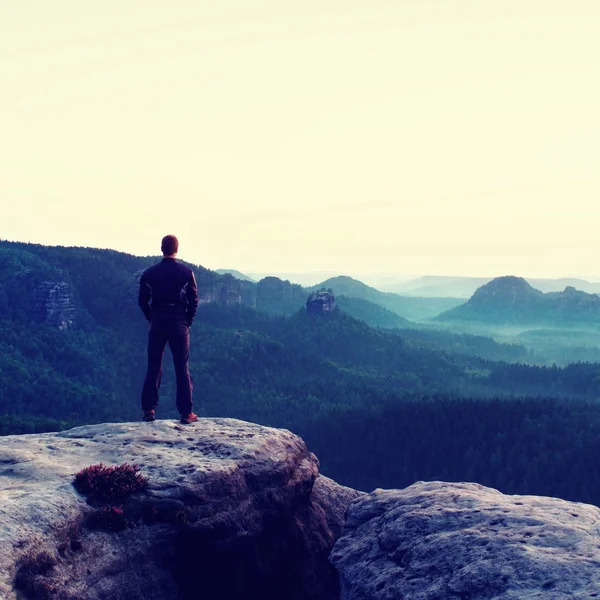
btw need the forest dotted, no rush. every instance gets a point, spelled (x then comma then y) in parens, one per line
(380, 407)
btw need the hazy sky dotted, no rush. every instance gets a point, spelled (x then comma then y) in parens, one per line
(407, 136)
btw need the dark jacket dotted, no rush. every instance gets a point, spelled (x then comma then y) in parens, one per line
(168, 289)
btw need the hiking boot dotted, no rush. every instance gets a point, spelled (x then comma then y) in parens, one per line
(148, 416)
(187, 419)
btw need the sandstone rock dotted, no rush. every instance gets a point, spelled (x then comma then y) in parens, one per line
(232, 510)
(54, 301)
(320, 302)
(445, 541)
(44, 296)
(225, 290)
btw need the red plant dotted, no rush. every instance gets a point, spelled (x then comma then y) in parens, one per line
(105, 484)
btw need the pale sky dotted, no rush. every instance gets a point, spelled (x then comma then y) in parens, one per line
(457, 137)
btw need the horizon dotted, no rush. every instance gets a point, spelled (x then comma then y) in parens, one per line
(303, 276)
(424, 138)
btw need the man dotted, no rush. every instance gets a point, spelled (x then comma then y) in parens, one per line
(168, 298)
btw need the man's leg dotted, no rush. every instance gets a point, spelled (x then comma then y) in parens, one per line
(157, 340)
(179, 342)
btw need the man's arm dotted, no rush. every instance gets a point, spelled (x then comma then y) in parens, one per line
(191, 293)
(144, 297)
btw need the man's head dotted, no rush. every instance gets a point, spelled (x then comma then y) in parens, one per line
(169, 245)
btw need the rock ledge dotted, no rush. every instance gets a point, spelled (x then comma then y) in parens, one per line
(463, 541)
(259, 521)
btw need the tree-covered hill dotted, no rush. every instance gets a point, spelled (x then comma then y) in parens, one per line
(235, 273)
(73, 345)
(512, 300)
(380, 406)
(465, 287)
(371, 313)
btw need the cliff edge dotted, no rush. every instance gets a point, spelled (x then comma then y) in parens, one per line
(230, 510)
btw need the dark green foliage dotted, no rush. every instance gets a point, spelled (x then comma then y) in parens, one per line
(10, 424)
(470, 345)
(278, 297)
(536, 446)
(562, 346)
(371, 313)
(578, 379)
(108, 484)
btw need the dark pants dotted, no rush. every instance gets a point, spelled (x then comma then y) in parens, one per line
(177, 333)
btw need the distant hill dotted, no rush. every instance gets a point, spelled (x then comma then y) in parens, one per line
(512, 300)
(465, 287)
(558, 285)
(438, 286)
(371, 313)
(278, 297)
(304, 279)
(236, 274)
(409, 307)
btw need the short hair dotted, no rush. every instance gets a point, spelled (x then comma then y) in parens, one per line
(169, 245)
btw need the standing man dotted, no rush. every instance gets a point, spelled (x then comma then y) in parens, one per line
(168, 298)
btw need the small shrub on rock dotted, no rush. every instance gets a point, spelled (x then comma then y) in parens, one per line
(106, 484)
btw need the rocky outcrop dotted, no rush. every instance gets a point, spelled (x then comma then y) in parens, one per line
(226, 290)
(231, 510)
(54, 303)
(575, 302)
(44, 295)
(458, 541)
(320, 301)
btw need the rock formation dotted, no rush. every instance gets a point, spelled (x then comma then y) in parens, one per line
(320, 301)
(226, 289)
(231, 510)
(458, 541)
(43, 294)
(54, 303)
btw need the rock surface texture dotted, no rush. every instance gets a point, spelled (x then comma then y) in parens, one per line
(231, 510)
(446, 541)
(225, 290)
